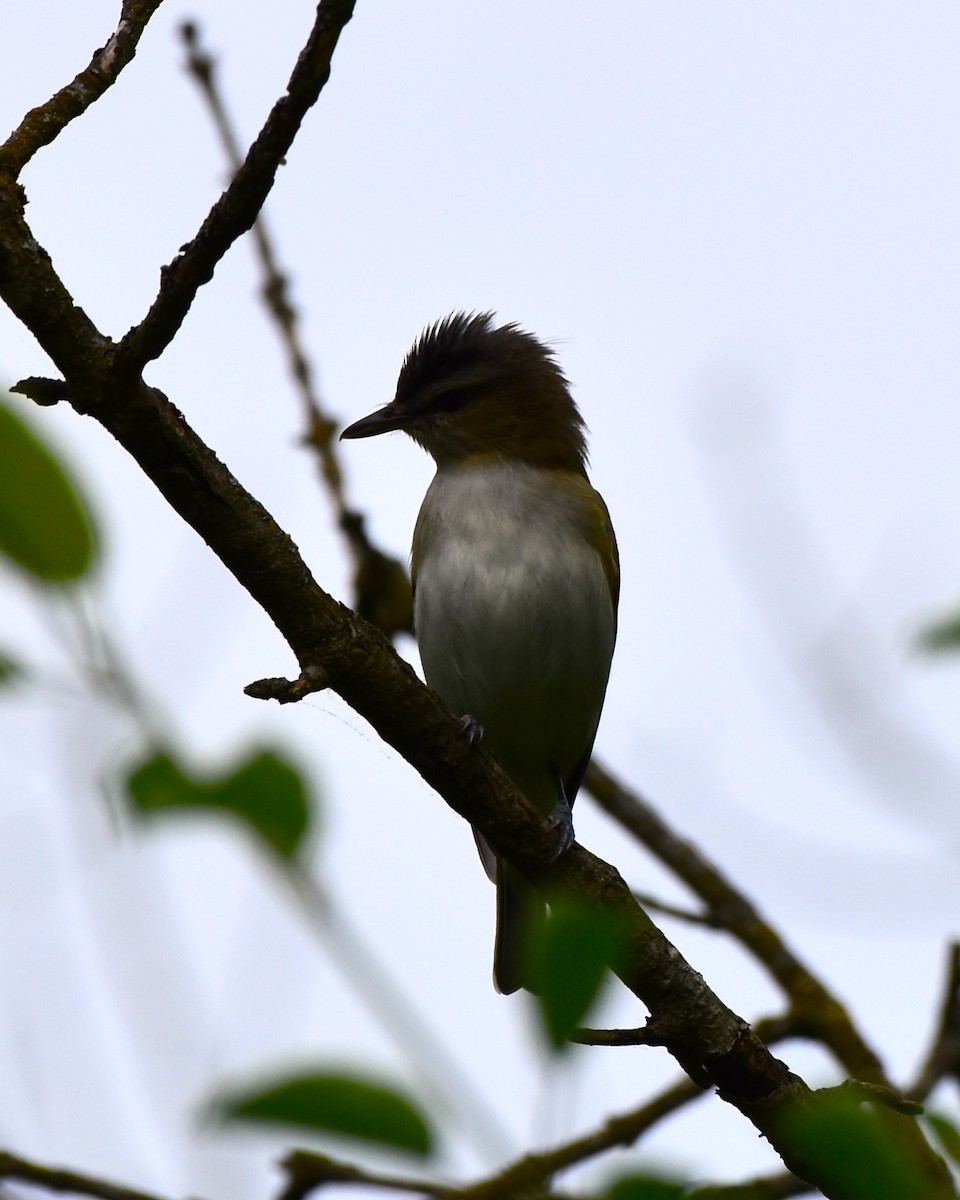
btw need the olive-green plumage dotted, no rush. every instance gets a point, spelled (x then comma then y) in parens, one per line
(515, 570)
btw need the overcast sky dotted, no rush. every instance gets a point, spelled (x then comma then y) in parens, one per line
(738, 224)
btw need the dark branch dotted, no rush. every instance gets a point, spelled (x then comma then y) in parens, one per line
(767, 1187)
(288, 691)
(236, 210)
(305, 1171)
(381, 585)
(769, 1030)
(45, 392)
(652, 904)
(43, 124)
(874, 1093)
(55, 1179)
(705, 1036)
(815, 1013)
(527, 1176)
(643, 1035)
(943, 1060)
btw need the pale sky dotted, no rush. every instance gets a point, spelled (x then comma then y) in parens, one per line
(737, 222)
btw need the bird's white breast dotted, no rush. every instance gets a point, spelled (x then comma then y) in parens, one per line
(514, 615)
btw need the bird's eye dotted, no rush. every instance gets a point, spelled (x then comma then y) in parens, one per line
(451, 401)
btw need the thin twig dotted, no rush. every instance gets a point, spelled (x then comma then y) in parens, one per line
(943, 1059)
(652, 904)
(56, 1179)
(528, 1176)
(643, 1035)
(814, 1011)
(702, 1032)
(769, 1030)
(46, 122)
(536, 1170)
(382, 592)
(765, 1187)
(237, 209)
(305, 1171)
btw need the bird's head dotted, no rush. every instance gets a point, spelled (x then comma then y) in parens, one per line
(469, 389)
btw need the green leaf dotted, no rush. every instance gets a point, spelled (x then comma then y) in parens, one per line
(331, 1103)
(11, 671)
(577, 945)
(942, 636)
(264, 792)
(946, 1133)
(856, 1142)
(645, 1187)
(45, 527)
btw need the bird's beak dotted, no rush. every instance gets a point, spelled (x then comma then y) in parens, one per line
(382, 421)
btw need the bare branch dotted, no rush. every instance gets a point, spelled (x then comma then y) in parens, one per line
(702, 1033)
(236, 210)
(536, 1170)
(56, 1179)
(43, 124)
(305, 1171)
(943, 1060)
(381, 585)
(708, 919)
(643, 1035)
(525, 1177)
(767, 1187)
(768, 1029)
(815, 1012)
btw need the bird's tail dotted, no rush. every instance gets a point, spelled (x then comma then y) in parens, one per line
(521, 913)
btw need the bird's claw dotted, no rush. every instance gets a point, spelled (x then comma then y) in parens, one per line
(561, 820)
(471, 729)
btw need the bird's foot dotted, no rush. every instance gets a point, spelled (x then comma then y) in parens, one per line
(471, 729)
(561, 820)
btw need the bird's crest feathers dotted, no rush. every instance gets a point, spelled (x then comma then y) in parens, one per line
(469, 388)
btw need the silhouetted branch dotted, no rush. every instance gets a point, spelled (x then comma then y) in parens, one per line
(643, 1035)
(56, 1179)
(815, 1013)
(710, 1041)
(766, 1187)
(382, 592)
(236, 210)
(528, 1176)
(943, 1060)
(46, 122)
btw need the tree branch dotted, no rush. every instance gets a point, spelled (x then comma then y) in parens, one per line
(381, 585)
(306, 1171)
(525, 1177)
(815, 1013)
(706, 1037)
(56, 1179)
(943, 1059)
(237, 209)
(767, 1187)
(43, 124)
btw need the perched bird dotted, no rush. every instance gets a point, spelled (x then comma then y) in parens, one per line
(515, 573)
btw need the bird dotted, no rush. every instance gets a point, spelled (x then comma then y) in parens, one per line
(516, 575)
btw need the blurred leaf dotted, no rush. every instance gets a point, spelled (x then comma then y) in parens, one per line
(340, 1104)
(264, 792)
(942, 636)
(645, 1187)
(854, 1139)
(45, 527)
(578, 943)
(946, 1134)
(11, 671)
